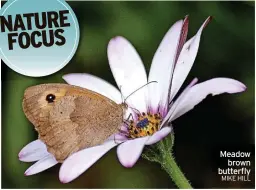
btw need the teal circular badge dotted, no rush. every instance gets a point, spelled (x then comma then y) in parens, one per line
(38, 37)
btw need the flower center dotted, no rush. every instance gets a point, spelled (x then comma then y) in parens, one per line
(146, 124)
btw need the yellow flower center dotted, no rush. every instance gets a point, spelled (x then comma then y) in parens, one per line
(146, 124)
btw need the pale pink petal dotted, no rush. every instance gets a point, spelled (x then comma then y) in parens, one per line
(41, 165)
(175, 105)
(33, 151)
(128, 71)
(80, 161)
(186, 60)
(129, 152)
(118, 138)
(199, 92)
(95, 84)
(163, 64)
(159, 135)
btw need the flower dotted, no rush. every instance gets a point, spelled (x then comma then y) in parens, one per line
(151, 109)
(37, 151)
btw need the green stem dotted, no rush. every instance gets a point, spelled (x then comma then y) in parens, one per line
(171, 167)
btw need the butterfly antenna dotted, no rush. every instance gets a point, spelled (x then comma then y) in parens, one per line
(135, 110)
(115, 139)
(122, 96)
(139, 89)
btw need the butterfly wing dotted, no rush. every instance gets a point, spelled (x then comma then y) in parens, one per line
(76, 119)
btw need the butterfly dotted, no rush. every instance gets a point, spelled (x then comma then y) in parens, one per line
(70, 118)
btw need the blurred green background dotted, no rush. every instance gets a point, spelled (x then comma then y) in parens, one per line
(226, 50)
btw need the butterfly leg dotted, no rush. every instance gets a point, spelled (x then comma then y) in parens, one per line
(128, 119)
(136, 111)
(122, 133)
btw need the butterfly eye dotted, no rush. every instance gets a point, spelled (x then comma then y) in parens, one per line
(50, 98)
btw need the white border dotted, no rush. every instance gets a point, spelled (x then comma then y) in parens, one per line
(1, 114)
(95, 189)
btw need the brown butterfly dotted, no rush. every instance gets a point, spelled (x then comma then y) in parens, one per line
(70, 118)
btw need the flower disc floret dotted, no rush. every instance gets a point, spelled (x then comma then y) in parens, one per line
(145, 125)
